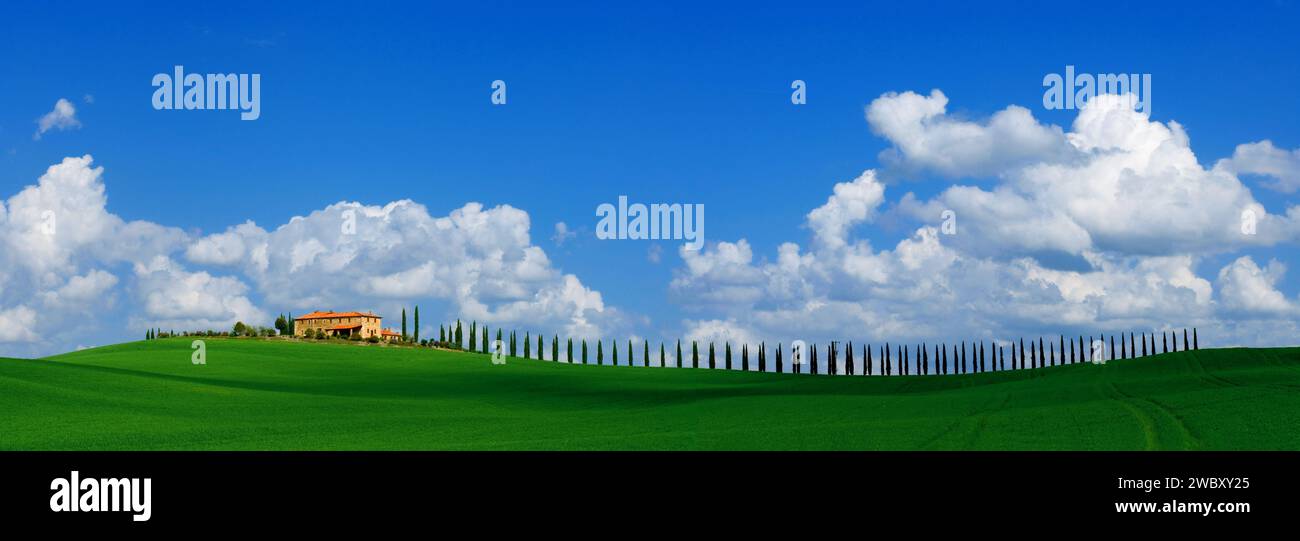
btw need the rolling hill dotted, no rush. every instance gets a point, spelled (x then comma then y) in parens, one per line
(279, 394)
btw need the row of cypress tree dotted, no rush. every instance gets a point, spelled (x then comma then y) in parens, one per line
(886, 360)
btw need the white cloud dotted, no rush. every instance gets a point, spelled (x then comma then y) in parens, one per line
(1262, 158)
(1248, 289)
(62, 117)
(66, 264)
(17, 324)
(1097, 229)
(925, 138)
(562, 233)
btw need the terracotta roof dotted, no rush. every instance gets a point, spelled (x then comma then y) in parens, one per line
(345, 326)
(325, 315)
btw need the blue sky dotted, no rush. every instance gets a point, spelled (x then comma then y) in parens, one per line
(673, 103)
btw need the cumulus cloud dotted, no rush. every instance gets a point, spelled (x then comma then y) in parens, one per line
(1262, 158)
(1246, 288)
(1100, 228)
(17, 324)
(68, 267)
(62, 117)
(926, 138)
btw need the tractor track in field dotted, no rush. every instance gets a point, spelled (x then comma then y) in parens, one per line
(980, 418)
(1149, 422)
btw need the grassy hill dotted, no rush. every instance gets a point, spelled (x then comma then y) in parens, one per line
(270, 394)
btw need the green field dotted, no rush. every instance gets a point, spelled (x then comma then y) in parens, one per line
(275, 394)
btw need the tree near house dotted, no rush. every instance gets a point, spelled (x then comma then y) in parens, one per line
(403, 324)
(417, 330)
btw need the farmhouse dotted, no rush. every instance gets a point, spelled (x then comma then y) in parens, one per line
(343, 324)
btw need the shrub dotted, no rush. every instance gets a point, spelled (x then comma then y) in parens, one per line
(373, 339)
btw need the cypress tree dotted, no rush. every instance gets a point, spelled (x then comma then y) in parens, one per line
(473, 335)
(779, 368)
(762, 356)
(848, 359)
(584, 351)
(726, 348)
(645, 352)
(963, 356)
(527, 340)
(695, 354)
(600, 352)
(541, 349)
(678, 359)
(1164, 337)
(885, 355)
(981, 356)
(866, 353)
(568, 350)
(1112, 348)
(1002, 359)
(1186, 345)
(460, 343)
(944, 367)
(1196, 343)
(1023, 358)
(712, 359)
(555, 348)
(417, 331)
(1013, 357)
(1062, 350)
(744, 357)
(403, 324)
(499, 337)
(663, 358)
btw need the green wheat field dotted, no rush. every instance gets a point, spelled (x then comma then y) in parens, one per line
(271, 394)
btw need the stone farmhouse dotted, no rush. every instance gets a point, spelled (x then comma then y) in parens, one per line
(343, 324)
